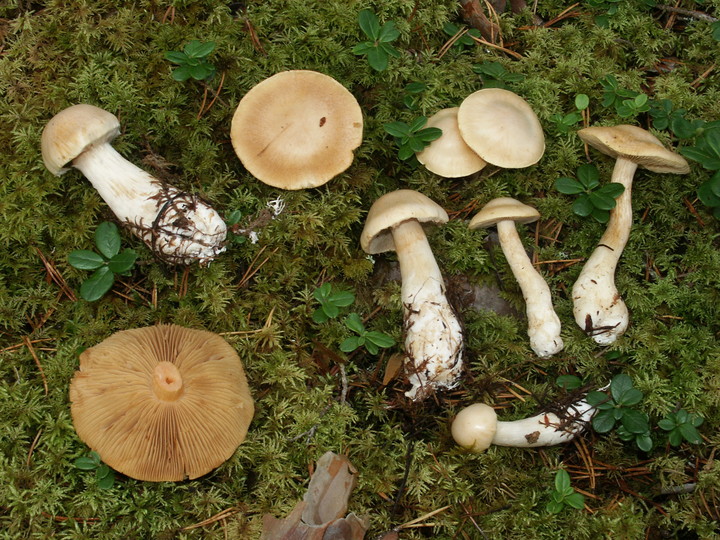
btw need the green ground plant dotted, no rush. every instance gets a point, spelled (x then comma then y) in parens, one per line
(104, 475)
(413, 137)
(107, 264)
(563, 495)
(592, 199)
(192, 61)
(379, 49)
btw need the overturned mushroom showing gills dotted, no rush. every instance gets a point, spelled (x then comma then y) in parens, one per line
(597, 305)
(297, 129)
(543, 322)
(476, 427)
(433, 333)
(161, 403)
(449, 156)
(501, 128)
(179, 227)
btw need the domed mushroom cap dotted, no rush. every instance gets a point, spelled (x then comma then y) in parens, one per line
(392, 209)
(474, 427)
(297, 129)
(503, 208)
(637, 145)
(72, 130)
(161, 403)
(449, 156)
(501, 128)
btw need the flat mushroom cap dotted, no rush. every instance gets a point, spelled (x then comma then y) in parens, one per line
(449, 156)
(297, 129)
(637, 145)
(474, 427)
(161, 403)
(501, 209)
(501, 128)
(391, 210)
(72, 130)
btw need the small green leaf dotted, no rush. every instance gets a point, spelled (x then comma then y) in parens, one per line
(644, 442)
(371, 347)
(568, 186)
(575, 500)
(582, 206)
(601, 201)
(613, 189)
(85, 463)
(363, 48)
(381, 340)
(234, 217)
(582, 101)
(667, 424)
(406, 152)
(107, 239)
(181, 74)
(369, 24)
(555, 507)
(415, 88)
(588, 176)
(562, 480)
(123, 261)
(319, 316)
(635, 421)
(632, 396)
(198, 49)
(417, 124)
(97, 285)
(322, 293)
(596, 398)
(330, 310)
(102, 471)
(603, 421)
(568, 382)
(350, 344)
(108, 481)
(354, 323)
(689, 433)
(85, 260)
(176, 57)
(675, 437)
(343, 298)
(620, 384)
(388, 32)
(397, 129)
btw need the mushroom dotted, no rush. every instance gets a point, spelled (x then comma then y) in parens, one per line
(297, 129)
(161, 403)
(476, 427)
(449, 156)
(543, 322)
(501, 128)
(597, 305)
(178, 227)
(433, 333)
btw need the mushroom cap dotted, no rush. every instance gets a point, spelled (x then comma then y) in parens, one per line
(392, 209)
(449, 156)
(72, 130)
(161, 403)
(637, 145)
(297, 129)
(501, 209)
(474, 427)
(501, 128)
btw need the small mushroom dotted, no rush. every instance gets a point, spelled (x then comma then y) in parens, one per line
(597, 305)
(161, 403)
(179, 227)
(476, 427)
(433, 333)
(297, 129)
(449, 156)
(501, 128)
(543, 322)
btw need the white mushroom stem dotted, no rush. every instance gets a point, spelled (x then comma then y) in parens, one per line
(545, 429)
(433, 334)
(543, 322)
(597, 305)
(179, 227)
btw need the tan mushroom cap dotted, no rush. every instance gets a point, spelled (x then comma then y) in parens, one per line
(297, 129)
(72, 130)
(474, 427)
(449, 156)
(501, 209)
(392, 209)
(637, 145)
(161, 403)
(501, 128)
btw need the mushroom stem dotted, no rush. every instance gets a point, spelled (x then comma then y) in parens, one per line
(544, 429)
(597, 305)
(167, 382)
(543, 323)
(178, 226)
(433, 334)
